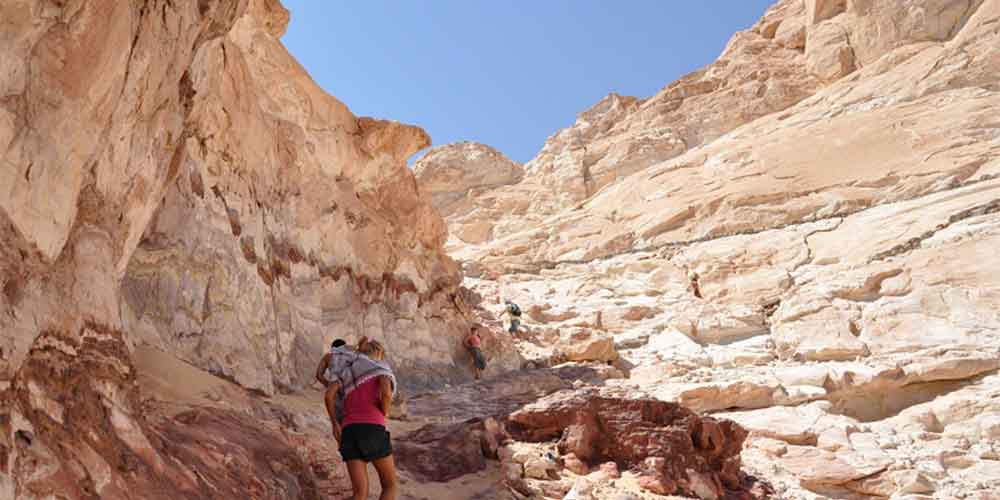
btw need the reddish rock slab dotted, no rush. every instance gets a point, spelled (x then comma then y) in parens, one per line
(442, 452)
(81, 431)
(676, 449)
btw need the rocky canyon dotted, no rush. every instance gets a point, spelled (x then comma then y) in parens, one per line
(775, 278)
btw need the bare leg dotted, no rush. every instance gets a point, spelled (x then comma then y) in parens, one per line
(475, 370)
(358, 472)
(386, 469)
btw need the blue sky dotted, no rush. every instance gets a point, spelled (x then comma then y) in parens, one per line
(504, 73)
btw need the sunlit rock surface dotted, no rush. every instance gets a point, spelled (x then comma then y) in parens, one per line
(800, 237)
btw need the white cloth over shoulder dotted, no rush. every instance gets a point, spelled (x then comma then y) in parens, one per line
(352, 369)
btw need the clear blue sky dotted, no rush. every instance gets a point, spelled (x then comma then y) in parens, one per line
(504, 73)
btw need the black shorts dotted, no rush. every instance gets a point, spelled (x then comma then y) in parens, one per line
(365, 442)
(478, 359)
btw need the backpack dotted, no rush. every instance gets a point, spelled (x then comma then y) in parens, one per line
(514, 310)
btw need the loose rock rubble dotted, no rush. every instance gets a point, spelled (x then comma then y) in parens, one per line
(674, 450)
(812, 259)
(778, 272)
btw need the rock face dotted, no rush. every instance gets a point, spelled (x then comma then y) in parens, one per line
(270, 245)
(678, 451)
(573, 439)
(460, 179)
(172, 177)
(74, 426)
(799, 235)
(454, 174)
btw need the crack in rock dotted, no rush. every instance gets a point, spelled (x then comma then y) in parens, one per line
(915, 242)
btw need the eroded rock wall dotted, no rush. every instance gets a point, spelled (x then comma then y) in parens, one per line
(171, 176)
(817, 260)
(465, 182)
(292, 223)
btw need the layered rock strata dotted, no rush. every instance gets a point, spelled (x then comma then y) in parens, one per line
(678, 451)
(172, 177)
(807, 249)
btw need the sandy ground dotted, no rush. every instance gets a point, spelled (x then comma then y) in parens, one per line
(179, 386)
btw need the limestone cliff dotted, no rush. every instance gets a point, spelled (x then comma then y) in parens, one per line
(459, 179)
(801, 234)
(172, 177)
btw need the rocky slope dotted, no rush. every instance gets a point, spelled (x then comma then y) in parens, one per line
(800, 236)
(459, 179)
(172, 178)
(798, 239)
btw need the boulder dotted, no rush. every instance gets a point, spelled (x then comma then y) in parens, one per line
(817, 468)
(573, 463)
(586, 345)
(669, 443)
(444, 452)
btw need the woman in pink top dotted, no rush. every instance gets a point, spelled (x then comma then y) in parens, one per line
(362, 435)
(474, 343)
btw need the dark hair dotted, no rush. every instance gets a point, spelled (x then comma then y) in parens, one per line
(338, 343)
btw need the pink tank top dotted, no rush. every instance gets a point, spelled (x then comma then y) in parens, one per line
(363, 405)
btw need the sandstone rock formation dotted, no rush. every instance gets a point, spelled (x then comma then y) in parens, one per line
(552, 439)
(800, 235)
(799, 238)
(679, 452)
(462, 180)
(172, 177)
(455, 174)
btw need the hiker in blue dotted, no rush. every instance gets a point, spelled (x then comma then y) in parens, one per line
(514, 312)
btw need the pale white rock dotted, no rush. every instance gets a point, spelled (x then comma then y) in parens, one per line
(797, 394)
(816, 375)
(820, 10)
(585, 345)
(816, 467)
(538, 468)
(834, 438)
(793, 425)
(829, 55)
(813, 215)
(719, 396)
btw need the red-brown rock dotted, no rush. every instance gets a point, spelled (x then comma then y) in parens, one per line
(581, 438)
(668, 442)
(444, 452)
(573, 464)
(81, 431)
(658, 485)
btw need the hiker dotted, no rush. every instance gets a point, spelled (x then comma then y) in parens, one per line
(368, 385)
(474, 343)
(515, 316)
(324, 363)
(695, 285)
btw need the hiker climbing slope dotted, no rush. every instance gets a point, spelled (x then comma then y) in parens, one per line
(473, 342)
(514, 312)
(368, 385)
(340, 349)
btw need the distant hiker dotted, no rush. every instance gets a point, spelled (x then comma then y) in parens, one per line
(324, 363)
(515, 316)
(368, 385)
(474, 343)
(695, 285)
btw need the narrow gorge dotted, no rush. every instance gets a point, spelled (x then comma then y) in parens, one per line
(775, 278)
